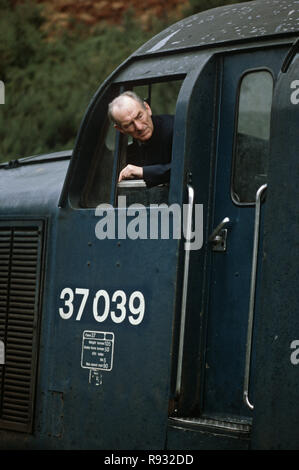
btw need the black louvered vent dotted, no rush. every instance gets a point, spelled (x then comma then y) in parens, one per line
(20, 283)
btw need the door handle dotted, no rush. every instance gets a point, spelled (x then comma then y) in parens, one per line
(219, 235)
(184, 293)
(252, 294)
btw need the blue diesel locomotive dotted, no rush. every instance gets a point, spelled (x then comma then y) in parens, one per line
(114, 336)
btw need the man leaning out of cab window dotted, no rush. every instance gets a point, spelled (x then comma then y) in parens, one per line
(149, 156)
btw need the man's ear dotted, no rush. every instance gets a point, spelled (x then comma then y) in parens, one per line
(148, 108)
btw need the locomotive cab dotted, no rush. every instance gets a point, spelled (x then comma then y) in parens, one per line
(117, 336)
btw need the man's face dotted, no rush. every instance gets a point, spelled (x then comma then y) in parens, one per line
(135, 120)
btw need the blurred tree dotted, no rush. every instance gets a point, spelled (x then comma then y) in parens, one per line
(196, 6)
(48, 84)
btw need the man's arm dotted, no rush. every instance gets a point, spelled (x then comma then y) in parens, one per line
(131, 172)
(152, 174)
(156, 174)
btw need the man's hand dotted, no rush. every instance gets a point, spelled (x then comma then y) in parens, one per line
(131, 172)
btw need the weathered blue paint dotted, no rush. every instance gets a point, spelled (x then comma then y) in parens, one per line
(135, 406)
(277, 380)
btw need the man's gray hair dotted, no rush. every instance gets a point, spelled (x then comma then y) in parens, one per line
(118, 101)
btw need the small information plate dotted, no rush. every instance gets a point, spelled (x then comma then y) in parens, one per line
(97, 350)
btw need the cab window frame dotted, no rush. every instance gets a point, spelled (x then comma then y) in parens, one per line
(235, 155)
(120, 139)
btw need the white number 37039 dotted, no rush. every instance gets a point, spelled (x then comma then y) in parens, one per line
(104, 306)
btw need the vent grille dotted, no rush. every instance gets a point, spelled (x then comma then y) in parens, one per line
(20, 272)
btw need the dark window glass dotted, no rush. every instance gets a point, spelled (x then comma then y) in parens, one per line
(252, 136)
(98, 187)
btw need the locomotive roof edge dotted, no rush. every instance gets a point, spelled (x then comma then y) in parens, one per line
(238, 22)
(36, 159)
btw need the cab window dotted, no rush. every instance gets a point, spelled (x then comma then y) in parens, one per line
(251, 149)
(112, 151)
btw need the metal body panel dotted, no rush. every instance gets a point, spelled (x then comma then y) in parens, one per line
(35, 187)
(80, 404)
(201, 437)
(145, 68)
(132, 399)
(276, 412)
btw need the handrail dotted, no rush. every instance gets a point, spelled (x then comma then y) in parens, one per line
(252, 295)
(185, 290)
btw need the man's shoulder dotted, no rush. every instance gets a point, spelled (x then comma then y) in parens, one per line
(164, 122)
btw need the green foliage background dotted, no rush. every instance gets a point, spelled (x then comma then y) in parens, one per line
(48, 84)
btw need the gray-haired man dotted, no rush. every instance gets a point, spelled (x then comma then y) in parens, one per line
(150, 154)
